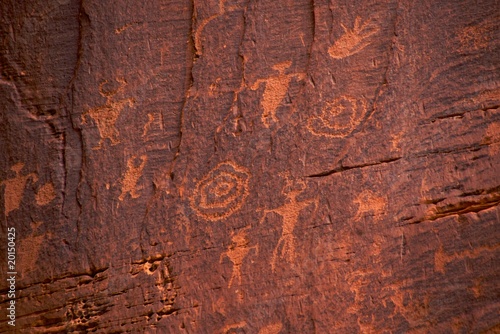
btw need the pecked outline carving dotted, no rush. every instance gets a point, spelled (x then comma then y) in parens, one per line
(329, 122)
(221, 192)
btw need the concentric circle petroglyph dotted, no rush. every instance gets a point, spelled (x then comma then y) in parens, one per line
(338, 118)
(221, 192)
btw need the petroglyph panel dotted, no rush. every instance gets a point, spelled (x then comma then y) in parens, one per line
(221, 192)
(275, 91)
(338, 118)
(105, 116)
(353, 40)
(14, 188)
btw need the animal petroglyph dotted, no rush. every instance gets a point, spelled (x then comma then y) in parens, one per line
(129, 184)
(14, 188)
(289, 213)
(105, 116)
(339, 118)
(236, 252)
(353, 40)
(369, 202)
(275, 91)
(221, 192)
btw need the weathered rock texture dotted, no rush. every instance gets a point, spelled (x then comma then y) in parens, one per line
(239, 166)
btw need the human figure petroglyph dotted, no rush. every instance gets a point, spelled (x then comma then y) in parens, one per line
(353, 40)
(289, 213)
(275, 91)
(236, 252)
(14, 188)
(106, 115)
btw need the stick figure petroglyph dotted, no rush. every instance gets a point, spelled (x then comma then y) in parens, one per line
(289, 212)
(353, 40)
(236, 252)
(275, 91)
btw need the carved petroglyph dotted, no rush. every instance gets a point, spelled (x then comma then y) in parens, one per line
(339, 118)
(353, 40)
(199, 30)
(271, 329)
(129, 183)
(235, 328)
(14, 188)
(105, 116)
(221, 192)
(154, 123)
(159, 268)
(236, 252)
(442, 259)
(369, 202)
(45, 194)
(289, 213)
(275, 91)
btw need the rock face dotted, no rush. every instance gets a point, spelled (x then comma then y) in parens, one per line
(241, 166)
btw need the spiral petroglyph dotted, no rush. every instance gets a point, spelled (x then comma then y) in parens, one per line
(339, 117)
(221, 192)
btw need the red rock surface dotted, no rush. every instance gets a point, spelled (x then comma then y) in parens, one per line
(251, 166)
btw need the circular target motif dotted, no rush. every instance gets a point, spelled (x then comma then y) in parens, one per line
(339, 118)
(221, 192)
